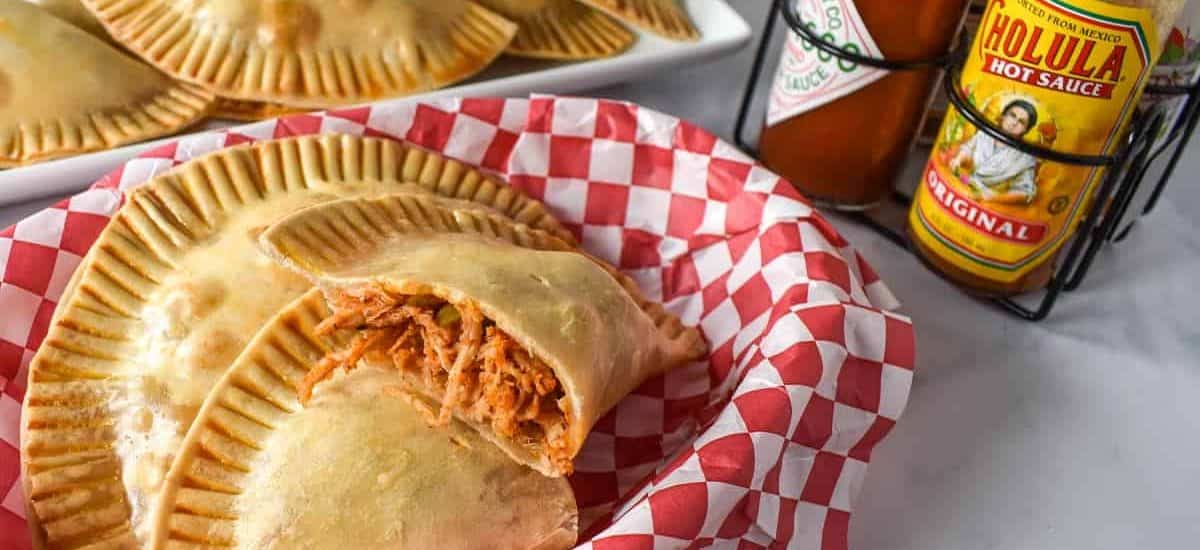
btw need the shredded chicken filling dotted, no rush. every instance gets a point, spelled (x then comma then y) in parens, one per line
(477, 369)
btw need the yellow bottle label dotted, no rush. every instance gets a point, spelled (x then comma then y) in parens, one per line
(1065, 75)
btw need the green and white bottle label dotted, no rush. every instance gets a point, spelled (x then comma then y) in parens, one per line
(808, 78)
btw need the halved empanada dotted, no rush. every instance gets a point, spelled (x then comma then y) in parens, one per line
(64, 91)
(171, 292)
(310, 53)
(664, 17)
(561, 29)
(358, 465)
(508, 328)
(237, 109)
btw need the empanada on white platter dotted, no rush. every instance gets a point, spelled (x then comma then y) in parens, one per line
(562, 29)
(310, 53)
(64, 91)
(663, 17)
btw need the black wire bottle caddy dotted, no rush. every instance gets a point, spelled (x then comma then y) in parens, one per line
(1124, 170)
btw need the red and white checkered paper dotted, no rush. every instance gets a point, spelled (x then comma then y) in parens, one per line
(763, 444)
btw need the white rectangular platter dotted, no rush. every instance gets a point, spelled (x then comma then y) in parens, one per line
(722, 32)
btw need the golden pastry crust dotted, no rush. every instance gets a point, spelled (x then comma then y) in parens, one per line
(258, 470)
(562, 29)
(663, 17)
(73, 12)
(103, 100)
(171, 291)
(585, 320)
(313, 241)
(249, 111)
(310, 53)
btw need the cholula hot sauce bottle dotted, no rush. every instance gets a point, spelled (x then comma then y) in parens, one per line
(840, 131)
(1062, 74)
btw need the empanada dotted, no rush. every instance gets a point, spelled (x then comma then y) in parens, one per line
(508, 328)
(359, 465)
(561, 29)
(662, 17)
(64, 91)
(173, 289)
(237, 109)
(310, 53)
(73, 12)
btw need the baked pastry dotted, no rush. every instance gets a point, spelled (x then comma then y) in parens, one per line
(359, 463)
(241, 110)
(73, 12)
(173, 289)
(310, 53)
(64, 91)
(663, 17)
(506, 327)
(561, 29)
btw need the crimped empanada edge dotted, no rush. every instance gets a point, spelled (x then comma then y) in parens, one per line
(257, 384)
(569, 30)
(305, 78)
(666, 18)
(177, 107)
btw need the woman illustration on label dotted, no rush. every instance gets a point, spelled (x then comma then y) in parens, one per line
(999, 173)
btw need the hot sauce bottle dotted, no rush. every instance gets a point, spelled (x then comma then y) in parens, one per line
(1062, 74)
(840, 131)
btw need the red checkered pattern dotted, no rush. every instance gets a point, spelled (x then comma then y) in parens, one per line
(763, 444)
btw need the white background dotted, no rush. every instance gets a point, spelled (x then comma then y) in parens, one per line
(1081, 432)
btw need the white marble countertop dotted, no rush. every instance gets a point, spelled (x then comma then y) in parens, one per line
(1081, 432)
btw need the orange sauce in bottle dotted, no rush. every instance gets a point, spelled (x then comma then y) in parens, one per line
(839, 131)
